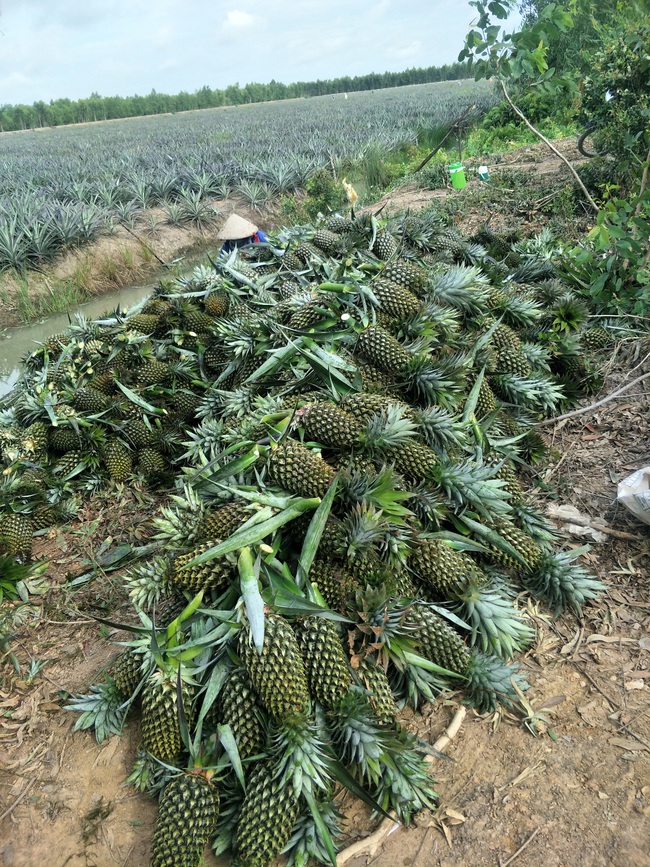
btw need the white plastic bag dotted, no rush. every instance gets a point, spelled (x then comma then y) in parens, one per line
(634, 494)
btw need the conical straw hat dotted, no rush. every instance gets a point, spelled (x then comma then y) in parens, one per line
(236, 227)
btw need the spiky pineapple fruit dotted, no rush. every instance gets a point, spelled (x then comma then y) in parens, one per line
(161, 734)
(385, 245)
(333, 579)
(413, 460)
(151, 463)
(224, 521)
(406, 274)
(296, 468)
(237, 706)
(325, 240)
(527, 548)
(330, 425)
(187, 817)
(443, 570)
(326, 666)
(216, 304)
(397, 302)
(215, 574)
(117, 460)
(268, 815)
(437, 640)
(278, 672)
(16, 532)
(374, 678)
(382, 350)
(127, 672)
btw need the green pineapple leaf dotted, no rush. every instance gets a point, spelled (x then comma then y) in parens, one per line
(228, 742)
(250, 591)
(314, 533)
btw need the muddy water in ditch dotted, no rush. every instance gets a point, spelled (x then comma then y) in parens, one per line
(15, 343)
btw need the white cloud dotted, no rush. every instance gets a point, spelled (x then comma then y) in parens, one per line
(238, 20)
(163, 37)
(406, 51)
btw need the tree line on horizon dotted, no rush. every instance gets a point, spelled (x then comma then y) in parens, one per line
(60, 112)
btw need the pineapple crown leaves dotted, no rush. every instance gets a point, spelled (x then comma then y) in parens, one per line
(175, 525)
(537, 392)
(471, 484)
(386, 430)
(314, 838)
(569, 313)
(496, 626)
(436, 381)
(369, 531)
(520, 312)
(441, 429)
(102, 709)
(379, 626)
(147, 581)
(562, 583)
(358, 740)
(405, 785)
(300, 757)
(428, 505)
(462, 287)
(490, 683)
(382, 489)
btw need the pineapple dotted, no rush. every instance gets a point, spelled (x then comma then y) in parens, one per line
(325, 240)
(337, 223)
(443, 570)
(90, 400)
(146, 323)
(385, 245)
(151, 463)
(414, 460)
(216, 304)
(437, 640)
(329, 425)
(526, 547)
(382, 350)
(397, 302)
(154, 372)
(117, 459)
(278, 673)
(16, 532)
(63, 439)
(266, 821)
(292, 262)
(127, 672)
(327, 669)
(405, 274)
(287, 289)
(161, 735)
(215, 574)
(237, 706)
(138, 433)
(187, 817)
(375, 680)
(224, 521)
(298, 469)
(305, 251)
(333, 580)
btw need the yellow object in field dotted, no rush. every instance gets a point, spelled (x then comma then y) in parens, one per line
(350, 192)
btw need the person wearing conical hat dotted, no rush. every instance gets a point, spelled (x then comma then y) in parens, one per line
(237, 232)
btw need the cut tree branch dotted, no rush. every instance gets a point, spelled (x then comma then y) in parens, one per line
(550, 145)
(598, 403)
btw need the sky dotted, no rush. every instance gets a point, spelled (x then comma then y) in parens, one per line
(72, 48)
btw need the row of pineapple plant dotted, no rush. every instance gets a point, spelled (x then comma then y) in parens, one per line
(348, 532)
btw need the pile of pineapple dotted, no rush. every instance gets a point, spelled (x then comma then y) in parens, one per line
(342, 418)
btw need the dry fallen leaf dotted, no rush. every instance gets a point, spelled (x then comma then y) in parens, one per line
(627, 744)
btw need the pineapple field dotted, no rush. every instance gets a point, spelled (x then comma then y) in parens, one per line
(266, 533)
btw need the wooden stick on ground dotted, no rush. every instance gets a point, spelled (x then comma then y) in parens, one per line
(598, 403)
(370, 845)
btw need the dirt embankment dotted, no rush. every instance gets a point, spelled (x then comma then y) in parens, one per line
(123, 258)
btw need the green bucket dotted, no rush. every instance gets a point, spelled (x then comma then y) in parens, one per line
(457, 173)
